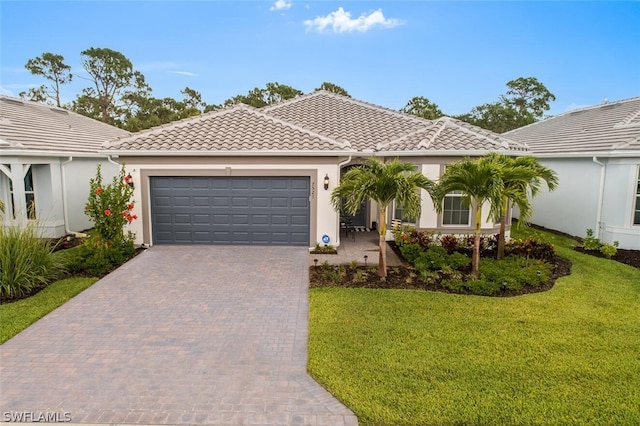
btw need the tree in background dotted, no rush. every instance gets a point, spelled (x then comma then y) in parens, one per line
(525, 102)
(333, 88)
(53, 68)
(422, 107)
(271, 94)
(383, 183)
(113, 79)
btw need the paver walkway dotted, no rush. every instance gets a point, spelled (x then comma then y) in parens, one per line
(178, 335)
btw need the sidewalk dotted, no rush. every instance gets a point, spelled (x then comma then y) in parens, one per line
(355, 249)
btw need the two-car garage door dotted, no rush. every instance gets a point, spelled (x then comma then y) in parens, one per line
(230, 210)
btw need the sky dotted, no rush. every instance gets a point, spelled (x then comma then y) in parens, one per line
(458, 54)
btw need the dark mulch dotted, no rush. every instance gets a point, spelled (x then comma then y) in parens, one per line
(406, 277)
(628, 257)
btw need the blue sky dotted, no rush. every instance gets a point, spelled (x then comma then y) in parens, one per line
(457, 54)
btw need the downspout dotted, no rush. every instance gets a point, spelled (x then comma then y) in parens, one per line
(65, 203)
(112, 161)
(600, 196)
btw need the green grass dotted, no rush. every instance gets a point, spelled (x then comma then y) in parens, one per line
(563, 357)
(16, 316)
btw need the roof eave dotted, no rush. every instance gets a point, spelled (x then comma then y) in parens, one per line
(40, 153)
(261, 153)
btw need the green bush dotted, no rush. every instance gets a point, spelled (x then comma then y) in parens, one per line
(458, 260)
(97, 257)
(434, 258)
(609, 250)
(27, 262)
(109, 207)
(483, 287)
(514, 272)
(590, 242)
(410, 252)
(454, 284)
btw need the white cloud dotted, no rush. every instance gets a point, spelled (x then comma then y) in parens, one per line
(341, 22)
(184, 73)
(280, 5)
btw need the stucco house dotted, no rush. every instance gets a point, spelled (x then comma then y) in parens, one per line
(596, 153)
(47, 156)
(264, 176)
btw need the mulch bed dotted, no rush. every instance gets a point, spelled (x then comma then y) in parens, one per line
(405, 277)
(628, 257)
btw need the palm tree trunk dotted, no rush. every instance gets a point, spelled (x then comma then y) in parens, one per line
(503, 228)
(475, 260)
(382, 257)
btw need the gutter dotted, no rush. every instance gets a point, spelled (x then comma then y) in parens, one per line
(600, 195)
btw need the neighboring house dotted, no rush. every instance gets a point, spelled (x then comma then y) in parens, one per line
(264, 176)
(47, 156)
(596, 153)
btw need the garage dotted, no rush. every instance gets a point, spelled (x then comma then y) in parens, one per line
(262, 210)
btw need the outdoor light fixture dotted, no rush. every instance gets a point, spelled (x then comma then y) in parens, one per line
(365, 259)
(326, 181)
(129, 180)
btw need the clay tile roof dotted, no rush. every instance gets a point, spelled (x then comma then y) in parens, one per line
(30, 126)
(238, 128)
(361, 124)
(448, 134)
(609, 127)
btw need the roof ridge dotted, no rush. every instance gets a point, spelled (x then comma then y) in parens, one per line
(505, 143)
(350, 100)
(629, 118)
(444, 122)
(294, 126)
(621, 145)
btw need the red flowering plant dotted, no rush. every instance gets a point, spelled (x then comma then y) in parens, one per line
(110, 207)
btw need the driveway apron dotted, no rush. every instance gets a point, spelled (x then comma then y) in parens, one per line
(178, 335)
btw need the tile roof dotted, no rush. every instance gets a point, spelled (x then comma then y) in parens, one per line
(606, 128)
(449, 134)
(320, 122)
(342, 118)
(32, 127)
(236, 129)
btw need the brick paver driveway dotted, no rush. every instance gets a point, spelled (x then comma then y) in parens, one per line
(179, 335)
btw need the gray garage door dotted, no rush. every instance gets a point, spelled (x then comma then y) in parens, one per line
(230, 210)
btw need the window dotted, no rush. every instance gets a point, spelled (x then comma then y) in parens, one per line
(398, 214)
(636, 214)
(29, 196)
(453, 212)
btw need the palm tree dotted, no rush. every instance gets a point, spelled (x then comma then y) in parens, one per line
(479, 182)
(522, 176)
(383, 183)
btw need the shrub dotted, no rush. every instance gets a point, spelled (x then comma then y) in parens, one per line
(532, 248)
(514, 272)
(109, 206)
(609, 250)
(590, 242)
(449, 242)
(27, 262)
(483, 287)
(433, 258)
(97, 257)
(459, 260)
(410, 252)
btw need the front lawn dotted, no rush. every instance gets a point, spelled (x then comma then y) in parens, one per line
(18, 315)
(414, 357)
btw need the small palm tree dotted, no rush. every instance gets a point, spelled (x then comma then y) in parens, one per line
(479, 182)
(522, 178)
(383, 183)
